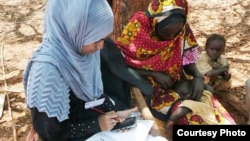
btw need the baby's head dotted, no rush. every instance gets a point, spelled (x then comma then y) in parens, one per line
(182, 87)
(215, 46)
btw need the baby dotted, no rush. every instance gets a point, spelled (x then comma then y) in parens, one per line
(213, 64)
(182, 87)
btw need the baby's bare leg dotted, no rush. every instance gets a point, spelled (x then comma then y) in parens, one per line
(248, 99)
(180, 112)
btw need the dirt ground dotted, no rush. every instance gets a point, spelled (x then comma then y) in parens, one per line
(21, 32)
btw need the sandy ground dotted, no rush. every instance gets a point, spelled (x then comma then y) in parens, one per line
(21, 32)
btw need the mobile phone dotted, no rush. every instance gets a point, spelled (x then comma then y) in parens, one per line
(127, 123)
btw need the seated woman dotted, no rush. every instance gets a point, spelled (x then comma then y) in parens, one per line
(63, 81)
(160, 46)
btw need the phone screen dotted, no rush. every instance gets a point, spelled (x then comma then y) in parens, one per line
(127, 123)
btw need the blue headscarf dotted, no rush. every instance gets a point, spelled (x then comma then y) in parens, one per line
(68, 25)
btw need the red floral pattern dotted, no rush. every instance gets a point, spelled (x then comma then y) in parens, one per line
(144, 50)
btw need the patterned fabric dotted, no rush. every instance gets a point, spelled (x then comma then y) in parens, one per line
(61, 47)
(201, 111)
(142, 49)
(50, 93)
(156, 7)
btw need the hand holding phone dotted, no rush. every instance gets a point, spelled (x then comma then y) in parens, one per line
(127, 123)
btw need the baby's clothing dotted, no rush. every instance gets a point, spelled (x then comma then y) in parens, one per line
(205, 64)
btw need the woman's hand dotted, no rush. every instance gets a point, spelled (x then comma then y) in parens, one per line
(125, 113)
(197, 88)
(163, 79)
(197, 85)
(107, 121)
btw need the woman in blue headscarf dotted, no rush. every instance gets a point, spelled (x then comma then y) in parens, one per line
(63, 76)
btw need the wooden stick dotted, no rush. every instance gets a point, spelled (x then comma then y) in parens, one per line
(11, 91)
(7, 95)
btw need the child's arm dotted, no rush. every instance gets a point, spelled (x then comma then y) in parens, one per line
(217, 72)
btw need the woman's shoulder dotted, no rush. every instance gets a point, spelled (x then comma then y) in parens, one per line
(44, 70)
(140, 13)
(140, 16)
(43, 66)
